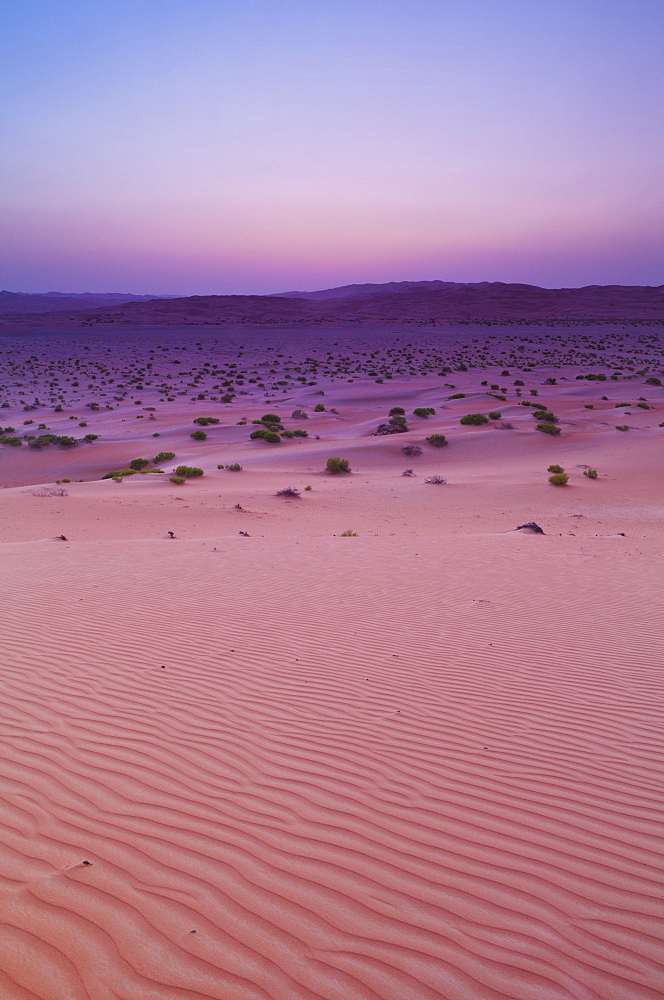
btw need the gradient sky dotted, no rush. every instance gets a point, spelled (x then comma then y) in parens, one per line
(222, 146)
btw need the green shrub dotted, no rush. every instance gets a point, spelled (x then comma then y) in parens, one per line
(397, 410)
(548, 428)
(546, 416)
(13, 442)
(336, 464)
(318, 408)
(458, 395)
(163, 456)
(591, 473)
(474, 418)
(559, 479)
(266, 435)
(307, 488)
(653, 380)
(300, 433)
(138, 463)
(622, 427)
(299, 415)
(198, 435)
(495, 415)
(66, 442)
(270, 418)
(589, 406)
(437, 440)
(348, 534)
(235, 467)
(188, 471)
(178, 480)
(90, 437)
(424, 411)
(204, 421)
(555, 468)
(643, 406)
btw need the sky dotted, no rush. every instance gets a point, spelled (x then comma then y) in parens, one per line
(255, 146)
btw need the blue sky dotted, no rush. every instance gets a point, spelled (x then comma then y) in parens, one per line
(204, 146)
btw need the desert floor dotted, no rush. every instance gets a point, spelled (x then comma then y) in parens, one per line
(261, 759)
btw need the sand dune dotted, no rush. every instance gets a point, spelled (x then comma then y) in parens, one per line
(419, 763)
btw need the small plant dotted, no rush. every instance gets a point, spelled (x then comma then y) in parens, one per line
(89, 438)
(591, 473)
(270, 418)
(555, 468)
(475, 419)
(178, 480)
(188, 471)
(407, 472)
(235, 467)
(397, 411)
(307, 488)
(559, 479)
(548, 428)
(495, 415)
(411, 450)
(318, 408)
(589, 406)
(163, 456)
(424, 411)
(348, 534)
(436, 480)
(458, 395)
(138, 463)
(266, 435)
(290, 491)
(546, 415)
(204, 421)
(299, 415)
(622, 427)
(437, 440)
(299, 432)
(506, 426)
(198, 435)
(336, 464)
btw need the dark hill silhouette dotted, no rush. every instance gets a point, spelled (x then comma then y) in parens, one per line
(419, 301)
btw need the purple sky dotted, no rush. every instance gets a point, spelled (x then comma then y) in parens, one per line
(216, 146)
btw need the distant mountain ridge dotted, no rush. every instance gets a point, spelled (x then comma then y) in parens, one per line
(37, 302)
(393, 302)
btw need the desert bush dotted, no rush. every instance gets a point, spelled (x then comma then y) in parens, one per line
(458, 395)
(289, 491)
(495, 415)
(589, 406)
(348, 534)
(643, 406)
(138, 463)
(299, 432)
(266, 435)
(622, 427)
(591, 473)
(336, 464)
(90, 437)
(234, 467)
(270, 418)
(555, 468)
(506, 426)
(198, 435)
(548, 428)
(188, 471)
(559, 479)
(397, 411)
(474, 418)
(653, 380)
(318, 408)
(546, 416)
(204, 421)
(407, 472)
(424, 411)
(178, 480)
(163, 456)
(300, 415)
(437, 440)
(67, 442)
(436, 480)
(411, 450)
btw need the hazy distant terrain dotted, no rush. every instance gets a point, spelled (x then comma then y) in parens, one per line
(46, 302)
(415, 301)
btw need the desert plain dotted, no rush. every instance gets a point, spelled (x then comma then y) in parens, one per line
(369, 741)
